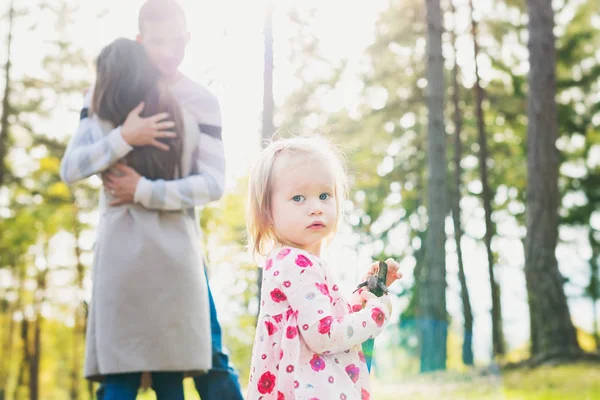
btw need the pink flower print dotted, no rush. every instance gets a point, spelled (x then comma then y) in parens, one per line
(291, 332)
(364, 395)
(356, 308)
(353, 372)
(278, 318)
(278, 296)
(283, 253)
(378, 316)
(289, 313)
(317, 363)
(302, 261)
(280, 396)
(276, 273)
(296, 384)
(325, 325)
(342, 396)
(270, 328)
(361, 355)
(335, 288)
(305, 327)
(264, 356)
(289, 369)
(269, 264)
(331, 380)
(323, 288)
(287, 284)
(280, 354)
(364, 324)
(266, 383)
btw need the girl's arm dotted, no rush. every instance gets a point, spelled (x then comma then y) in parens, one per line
(303, 285)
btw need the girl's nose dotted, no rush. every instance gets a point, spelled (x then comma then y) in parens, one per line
(316, 208)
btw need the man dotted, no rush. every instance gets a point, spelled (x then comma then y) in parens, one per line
(162, 32)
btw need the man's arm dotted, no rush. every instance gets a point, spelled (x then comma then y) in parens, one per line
(205, 184)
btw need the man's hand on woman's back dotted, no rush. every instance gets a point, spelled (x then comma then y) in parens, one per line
(140, 131)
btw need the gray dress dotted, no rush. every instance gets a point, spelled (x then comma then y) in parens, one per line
(149, 309)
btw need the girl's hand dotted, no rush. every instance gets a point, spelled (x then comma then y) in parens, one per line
(366, 296)
(393, 273)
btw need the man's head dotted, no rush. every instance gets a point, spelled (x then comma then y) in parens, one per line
(163, 33)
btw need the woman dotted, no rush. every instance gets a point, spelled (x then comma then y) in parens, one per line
(149, 309)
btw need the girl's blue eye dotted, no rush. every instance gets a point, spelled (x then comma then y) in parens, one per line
(324, 196)
(298, 198)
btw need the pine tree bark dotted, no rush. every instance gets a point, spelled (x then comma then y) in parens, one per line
(555, 333)
(467, 348)
(594, 286)
(6, 109)
(432, 299)
(268, 103)
(78, 329)
(486, 197)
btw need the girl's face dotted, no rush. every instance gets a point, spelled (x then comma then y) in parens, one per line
(303, 206)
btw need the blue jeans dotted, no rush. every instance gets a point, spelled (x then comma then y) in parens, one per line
(166, 385)
(221, 382)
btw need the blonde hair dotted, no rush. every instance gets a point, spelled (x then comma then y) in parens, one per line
(259, 223)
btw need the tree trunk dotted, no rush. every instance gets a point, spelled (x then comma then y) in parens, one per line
(78, 331)
(467, 348)
(6, 109)
(7, 349)
(13, 324)
(555, 332)
(594, 286)
(596, 327)
(34, 361)
(433, 318)
(36, 353)
(486, 196)
(21, 379)
(268, 102)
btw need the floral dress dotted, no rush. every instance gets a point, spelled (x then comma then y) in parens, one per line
(308, 339)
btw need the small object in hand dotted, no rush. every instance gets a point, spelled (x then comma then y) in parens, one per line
(376, 284)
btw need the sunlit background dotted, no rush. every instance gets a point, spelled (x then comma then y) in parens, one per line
(226, 53)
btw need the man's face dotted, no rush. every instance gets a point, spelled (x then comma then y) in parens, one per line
(165, 43)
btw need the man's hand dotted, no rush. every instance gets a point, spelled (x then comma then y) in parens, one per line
(120, 183)
(139, 131)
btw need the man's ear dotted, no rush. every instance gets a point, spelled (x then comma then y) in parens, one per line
(138, 38)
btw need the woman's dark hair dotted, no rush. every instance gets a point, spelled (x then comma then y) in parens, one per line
(126, 77)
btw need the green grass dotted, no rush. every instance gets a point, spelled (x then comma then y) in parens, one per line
(580, 382)
(577, 382)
